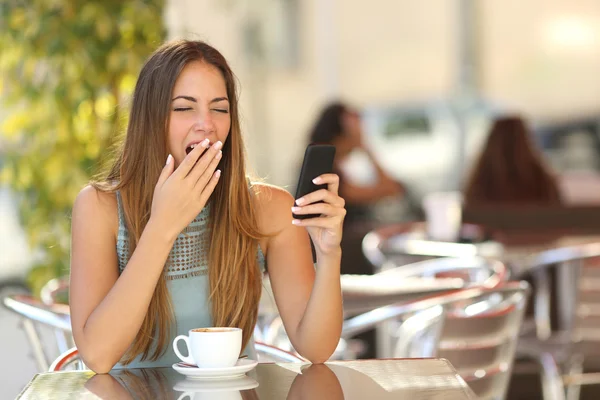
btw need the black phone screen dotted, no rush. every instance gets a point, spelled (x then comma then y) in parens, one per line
(318, 160)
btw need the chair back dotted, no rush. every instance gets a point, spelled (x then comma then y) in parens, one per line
(35, 315)
(476, 329)
(480, 335)
(473, 271)
(70, 359)
(401, 244)
(585, 330)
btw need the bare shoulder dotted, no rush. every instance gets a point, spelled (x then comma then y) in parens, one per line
(274, 207)
(97, 207)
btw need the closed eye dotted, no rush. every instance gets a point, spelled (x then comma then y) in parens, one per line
(221, 110)
(182, 109)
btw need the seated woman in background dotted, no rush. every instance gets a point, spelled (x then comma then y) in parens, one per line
(340, 126)
(510, 170)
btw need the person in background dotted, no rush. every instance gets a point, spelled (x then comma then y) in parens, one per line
(340, 125)
(510, 170)
(175, 236)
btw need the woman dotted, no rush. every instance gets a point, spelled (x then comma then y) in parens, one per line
(160, 248)
(510, 170)
(340, 126)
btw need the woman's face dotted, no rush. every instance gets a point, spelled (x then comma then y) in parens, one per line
(199, 109)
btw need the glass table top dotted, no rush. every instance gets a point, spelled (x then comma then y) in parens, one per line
(414, 379)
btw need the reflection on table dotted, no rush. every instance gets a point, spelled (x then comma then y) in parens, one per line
(413, 379)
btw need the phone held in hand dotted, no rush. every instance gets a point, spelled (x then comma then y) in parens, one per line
(318, 160)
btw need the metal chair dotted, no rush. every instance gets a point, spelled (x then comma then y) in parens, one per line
(401, 244)
(577, 340)
(389, 287)
(34, 314)
(470, 271)
(476, 329)
(53, 293)
(66, 360)
(474, 271)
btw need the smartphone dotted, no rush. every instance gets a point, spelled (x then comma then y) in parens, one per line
(318, 160)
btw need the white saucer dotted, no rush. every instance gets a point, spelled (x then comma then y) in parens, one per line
(216, 385)
(239, 369)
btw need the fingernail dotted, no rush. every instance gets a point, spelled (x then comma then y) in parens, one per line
(219, 155)
(169, 158)
(205, 143)
(295, 209)
(317, 180)
(296, 221)
(218, 145)
(218, 173)
(300, 201)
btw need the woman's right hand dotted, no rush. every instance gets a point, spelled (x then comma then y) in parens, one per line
(180, 194)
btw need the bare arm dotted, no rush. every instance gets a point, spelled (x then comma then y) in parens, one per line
(309, 301)
(384, 187)
(107, 310)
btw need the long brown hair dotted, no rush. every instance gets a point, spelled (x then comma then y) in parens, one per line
(510, 170)
(233, 273)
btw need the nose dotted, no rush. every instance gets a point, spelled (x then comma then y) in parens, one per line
(204, 122)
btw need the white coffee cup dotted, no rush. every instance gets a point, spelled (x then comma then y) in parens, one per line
(443, 213)
(211, 347)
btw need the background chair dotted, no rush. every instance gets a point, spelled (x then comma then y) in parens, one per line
(394, 285)
(471, 271)
(572, 339)
(401, 244)
(476, 329)
(68, 360)
(35, 315)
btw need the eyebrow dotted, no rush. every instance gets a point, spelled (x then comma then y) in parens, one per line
(193, 99)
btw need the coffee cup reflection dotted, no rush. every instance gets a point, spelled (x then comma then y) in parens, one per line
(317, 381)
(241, 388)
(126, 385)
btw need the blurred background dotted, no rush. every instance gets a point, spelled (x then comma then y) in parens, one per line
(427, 78)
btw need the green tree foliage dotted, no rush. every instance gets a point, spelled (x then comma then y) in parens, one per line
(67, 68)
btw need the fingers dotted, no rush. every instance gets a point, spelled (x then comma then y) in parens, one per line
(321, 222)
(323, 202)
(206, 166)
(190, 160)
(210, 187)
(166, 171)
(331, 180)
(323, 209)
(321, 195)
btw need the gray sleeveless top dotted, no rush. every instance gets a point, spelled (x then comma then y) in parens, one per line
(187, 281)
